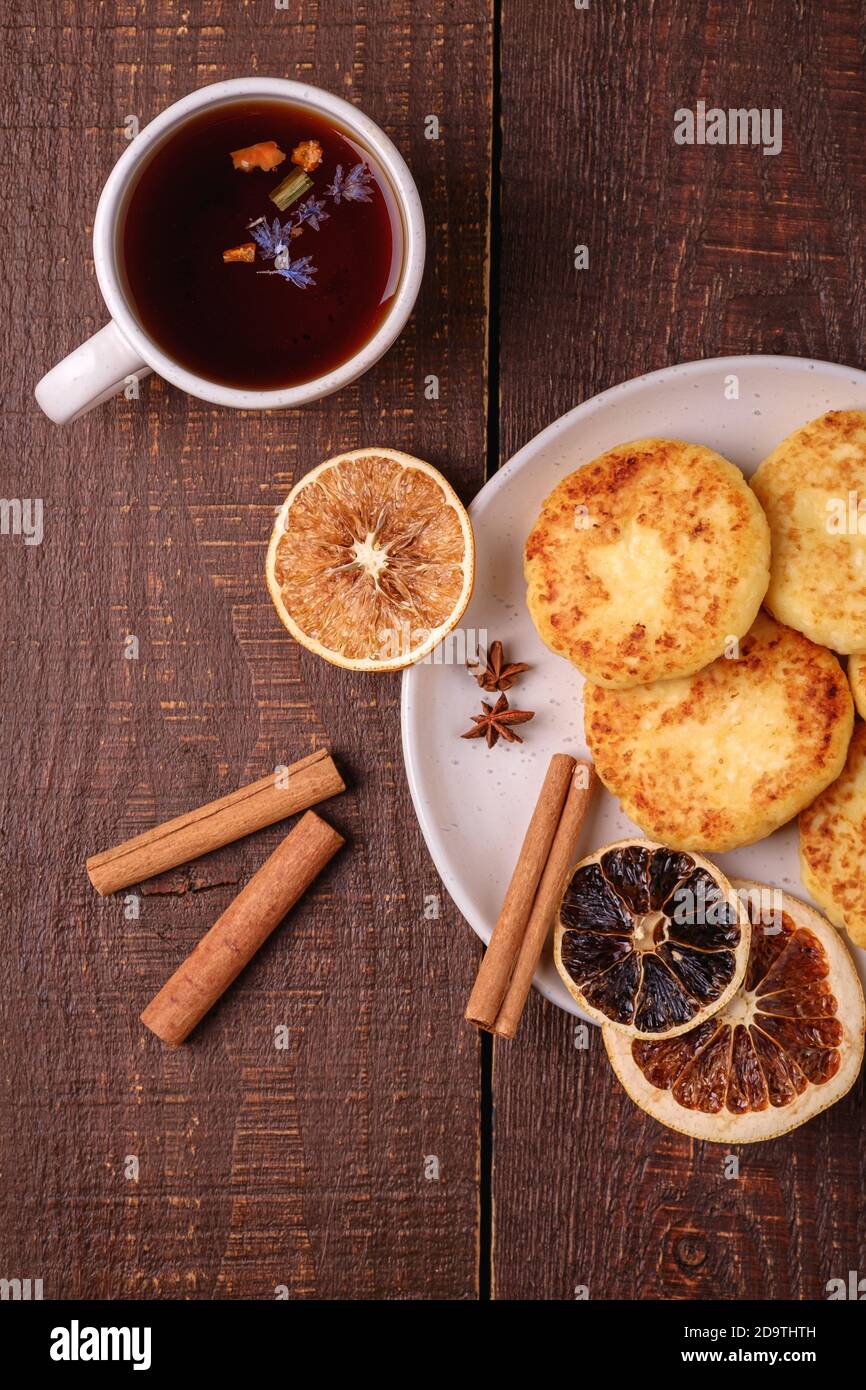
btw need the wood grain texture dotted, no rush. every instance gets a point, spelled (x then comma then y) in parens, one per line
(694, 252)
(301, 1166)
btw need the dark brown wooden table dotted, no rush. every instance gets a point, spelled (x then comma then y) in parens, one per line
(232, 1167)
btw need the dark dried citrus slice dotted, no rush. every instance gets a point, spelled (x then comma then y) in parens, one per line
(785, 1047)
(649, 939)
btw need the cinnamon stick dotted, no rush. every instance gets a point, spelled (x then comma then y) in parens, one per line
(247, 922)
(500, 956)
(547, 898)
(187, 837)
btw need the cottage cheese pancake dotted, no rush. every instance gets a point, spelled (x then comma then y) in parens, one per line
(833, 844)
(724, 757)
(857, 681)
(813, 490)
(644, 562)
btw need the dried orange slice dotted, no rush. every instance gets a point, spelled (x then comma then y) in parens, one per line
(372, 560)
(650, 940)
(787, 1046)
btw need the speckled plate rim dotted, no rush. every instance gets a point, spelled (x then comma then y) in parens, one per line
(411, 710)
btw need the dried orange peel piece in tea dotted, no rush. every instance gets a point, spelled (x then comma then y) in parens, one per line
(788, 1045)
(372, 560)
(246, 253)
(266, 155)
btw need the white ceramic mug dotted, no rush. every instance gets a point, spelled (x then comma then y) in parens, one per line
(102, 366)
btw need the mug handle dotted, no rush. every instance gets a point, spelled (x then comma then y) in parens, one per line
(93, 373)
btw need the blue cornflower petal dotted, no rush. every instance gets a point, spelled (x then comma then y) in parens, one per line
(261, 235)
(313, 213)
(301, 272)
(335, 189)
(356, 187)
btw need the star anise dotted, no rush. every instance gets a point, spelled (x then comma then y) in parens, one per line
(497, 675)
(496, 722)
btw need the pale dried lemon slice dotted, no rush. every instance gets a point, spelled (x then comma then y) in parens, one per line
(788, 1045)
(372, 560)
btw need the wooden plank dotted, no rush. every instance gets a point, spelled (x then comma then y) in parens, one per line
(301, 1167)
(694, 252)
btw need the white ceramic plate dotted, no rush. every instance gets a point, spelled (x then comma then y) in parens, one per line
(473, 803)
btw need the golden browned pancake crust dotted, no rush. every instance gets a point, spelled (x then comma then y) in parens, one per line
(644, 562)
(833, 844)
(811, 487)
(724, 757)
